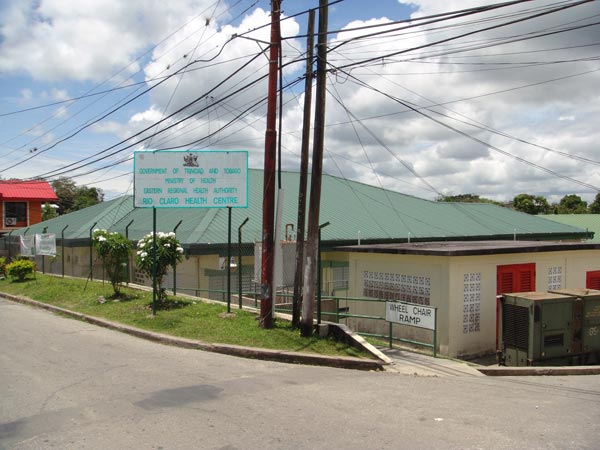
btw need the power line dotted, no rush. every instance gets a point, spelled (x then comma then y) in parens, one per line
(197, 99)
(133, 84)
(378, 59)
(473, 138)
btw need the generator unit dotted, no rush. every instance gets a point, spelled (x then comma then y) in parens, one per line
(539, 328)
(589, 318)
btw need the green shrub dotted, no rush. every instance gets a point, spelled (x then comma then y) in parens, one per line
(113, 248)
(168, 253)
(20, 269)
(2, 266)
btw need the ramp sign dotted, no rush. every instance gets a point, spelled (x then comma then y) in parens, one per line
(410, 314)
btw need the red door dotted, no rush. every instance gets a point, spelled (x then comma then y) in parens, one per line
(592, 279)
(513, 278)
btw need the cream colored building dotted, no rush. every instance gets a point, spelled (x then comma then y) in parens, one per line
(462, 280)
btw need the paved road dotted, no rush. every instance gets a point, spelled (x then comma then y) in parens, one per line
(65, 384)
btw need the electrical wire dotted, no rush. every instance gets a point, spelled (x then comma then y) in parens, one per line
(475, 139)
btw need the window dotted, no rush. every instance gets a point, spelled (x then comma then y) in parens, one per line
(513, 278)
(400, 287)
(471, 302)
(15, 214)
(340, 278)
(554, 278)
(592, 279)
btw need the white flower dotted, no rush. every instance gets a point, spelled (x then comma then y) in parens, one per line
(167, 245)
(179, 250)
(172, 234)
(101, 238)
(143, 254)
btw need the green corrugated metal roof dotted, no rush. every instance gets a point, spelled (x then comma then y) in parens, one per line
(79, 222)
(589, 222)
(350, 207)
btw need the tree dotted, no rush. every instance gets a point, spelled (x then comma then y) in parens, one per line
(571, 204)
(467, 198)
(595, 205)
(72, 197)
(113, 249)
(531, 204)
(87, 196)
(48, 212)
(168, 253)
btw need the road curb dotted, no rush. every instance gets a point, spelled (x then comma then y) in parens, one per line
(539, 371)
(344, 362)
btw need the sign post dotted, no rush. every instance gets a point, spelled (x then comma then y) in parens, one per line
(414, 315)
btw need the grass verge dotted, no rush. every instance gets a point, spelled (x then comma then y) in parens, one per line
(182, 317)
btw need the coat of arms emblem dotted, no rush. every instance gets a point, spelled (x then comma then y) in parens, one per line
(190, 160)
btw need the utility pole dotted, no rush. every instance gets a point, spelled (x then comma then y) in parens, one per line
(310, 269)
(266, 278)
(298, 276)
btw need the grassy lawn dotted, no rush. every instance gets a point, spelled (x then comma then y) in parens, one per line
(192, 319)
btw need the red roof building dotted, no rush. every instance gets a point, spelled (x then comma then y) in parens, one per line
(21, 202)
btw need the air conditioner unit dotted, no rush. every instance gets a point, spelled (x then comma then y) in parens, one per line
(10, 221)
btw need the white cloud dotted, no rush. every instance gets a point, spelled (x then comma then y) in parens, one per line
(502, 87)
(87, 39)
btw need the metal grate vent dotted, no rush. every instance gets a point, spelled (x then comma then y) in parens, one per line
(515, 326)
(554, 340)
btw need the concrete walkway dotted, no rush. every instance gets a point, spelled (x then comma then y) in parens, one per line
(417, 364)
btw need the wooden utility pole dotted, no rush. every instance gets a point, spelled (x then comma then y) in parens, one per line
(298, 276)
(310, 268)
(268, 225)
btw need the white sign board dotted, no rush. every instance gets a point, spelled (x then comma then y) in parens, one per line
(410, 314)
(27, 245)
(45, 244)
(196, 179)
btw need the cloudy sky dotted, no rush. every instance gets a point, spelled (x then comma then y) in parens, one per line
(420, 101)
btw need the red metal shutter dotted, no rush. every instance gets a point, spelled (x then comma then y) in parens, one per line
(513, 278)
(526, 278)
(592, 279)
(506, 280)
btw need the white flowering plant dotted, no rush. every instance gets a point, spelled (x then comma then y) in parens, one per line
(169, 252)
(113, 249)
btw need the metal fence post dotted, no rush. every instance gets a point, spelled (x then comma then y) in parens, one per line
(129, 255)
(175, 266)
(91, 249)
(435, 334)
(62, 245)
(319, 268)
(9, 238)
(240, 262)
